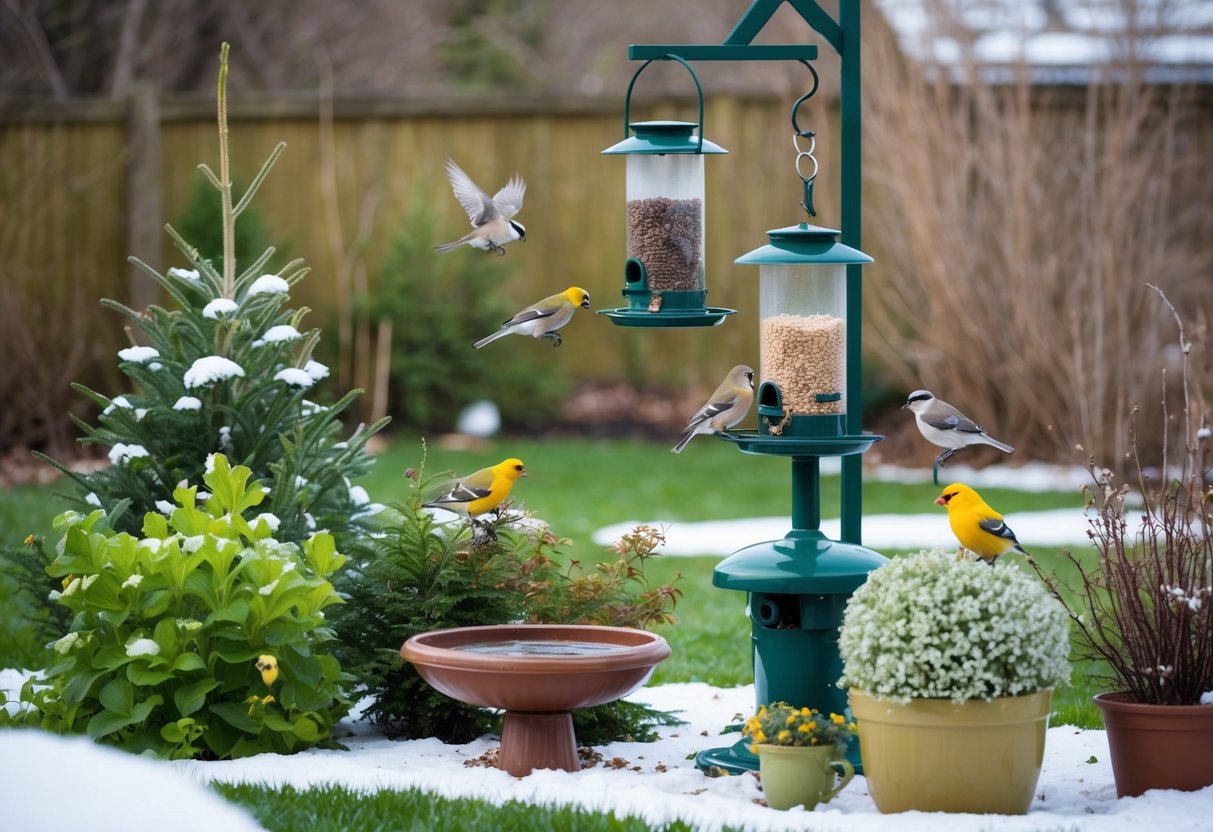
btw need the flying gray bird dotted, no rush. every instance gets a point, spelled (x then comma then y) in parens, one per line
(945, 426)
(493, 223)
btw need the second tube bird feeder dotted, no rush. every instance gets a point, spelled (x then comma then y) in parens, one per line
(664, 274)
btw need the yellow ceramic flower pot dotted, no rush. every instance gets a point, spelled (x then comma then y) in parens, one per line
(800, 775)
(933, 755)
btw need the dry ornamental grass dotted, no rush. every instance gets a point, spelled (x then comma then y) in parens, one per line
(666, 235)
(805, 356)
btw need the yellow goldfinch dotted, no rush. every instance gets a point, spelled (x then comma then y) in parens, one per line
(482, 491)
(727, 406)
(978, 527)
(268, 665)
(541, 320)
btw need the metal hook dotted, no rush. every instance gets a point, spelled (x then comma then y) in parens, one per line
(796, 107)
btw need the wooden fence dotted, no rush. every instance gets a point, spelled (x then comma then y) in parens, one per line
(86, 184)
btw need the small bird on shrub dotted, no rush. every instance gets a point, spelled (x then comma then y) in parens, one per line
(482, 491)
(977, 526)
(268, 665)
(945, 426)
(727, 406)
(542, 319)
(493, 223)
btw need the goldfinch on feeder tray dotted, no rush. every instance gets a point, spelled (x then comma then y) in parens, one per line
(542, 319)
(482, 491)
(977, 526)
(727, 406)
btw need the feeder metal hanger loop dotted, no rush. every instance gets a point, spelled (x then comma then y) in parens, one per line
(801, 153)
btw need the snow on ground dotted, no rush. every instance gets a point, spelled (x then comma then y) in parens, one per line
(658, 783)
(895, 532)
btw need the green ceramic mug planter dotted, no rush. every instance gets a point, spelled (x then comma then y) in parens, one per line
(801, 776)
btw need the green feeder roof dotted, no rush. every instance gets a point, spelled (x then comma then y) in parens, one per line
(803, 244)
(803, 563)
(662, 137)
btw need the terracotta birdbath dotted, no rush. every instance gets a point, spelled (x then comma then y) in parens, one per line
(537, 674)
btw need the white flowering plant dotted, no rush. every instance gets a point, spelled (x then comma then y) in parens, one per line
(936, 625)
(203, 636)
(225, 367)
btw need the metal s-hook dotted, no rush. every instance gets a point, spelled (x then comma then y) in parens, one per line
(802, 154)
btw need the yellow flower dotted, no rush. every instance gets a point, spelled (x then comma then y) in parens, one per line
(837, 719)
(268, 665)
(784, 735)
(29, 540)
(813, 726)
(791, 719)
(814, 741)
(804, 728)
(851, 726)
(759, 736)
(805, 712)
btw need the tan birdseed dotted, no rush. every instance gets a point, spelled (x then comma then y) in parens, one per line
(665, 234)
(804, 356)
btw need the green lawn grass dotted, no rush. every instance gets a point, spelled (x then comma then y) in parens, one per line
(337, 809)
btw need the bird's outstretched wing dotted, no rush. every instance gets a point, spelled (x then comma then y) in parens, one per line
(949, 418)
(479, 207)
(998, 529)
(532, 313)
(509, 199)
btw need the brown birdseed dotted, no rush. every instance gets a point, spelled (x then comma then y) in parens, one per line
(666, 234)
(805, 356)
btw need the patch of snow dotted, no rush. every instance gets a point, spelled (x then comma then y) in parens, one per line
(125, 453)
(52, 782)
(185, 274)
(294, 377)
(316, 370)
(281, 333)
(269, 284)
(218, 307)
(138, 355)
(211, 369)
(188, 403)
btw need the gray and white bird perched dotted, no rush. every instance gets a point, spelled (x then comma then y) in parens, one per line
(945, 426)
(542, 319)
(727, 406)
(493, 223)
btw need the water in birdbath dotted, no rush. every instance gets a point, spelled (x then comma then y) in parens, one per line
(541, 647)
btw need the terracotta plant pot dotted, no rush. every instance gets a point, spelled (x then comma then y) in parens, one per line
(800, 775)
(932, 755)
(1157, 746)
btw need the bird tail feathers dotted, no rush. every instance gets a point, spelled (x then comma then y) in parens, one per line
(488, 339)
(1002, 446)
(445, 247)
(682, 443)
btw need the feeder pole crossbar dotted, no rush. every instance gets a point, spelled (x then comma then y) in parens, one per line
(843, 36)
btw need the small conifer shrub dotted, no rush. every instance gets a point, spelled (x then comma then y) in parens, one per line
(227, 368)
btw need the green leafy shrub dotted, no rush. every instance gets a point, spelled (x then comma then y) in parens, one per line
(168, 629)
(439, 305)
(421, 574)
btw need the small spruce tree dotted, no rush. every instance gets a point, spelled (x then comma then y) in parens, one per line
(227, 370)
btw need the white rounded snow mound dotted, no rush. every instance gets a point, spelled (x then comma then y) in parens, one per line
(69, 783)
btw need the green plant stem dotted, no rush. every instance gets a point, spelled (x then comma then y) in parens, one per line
(225, 184)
